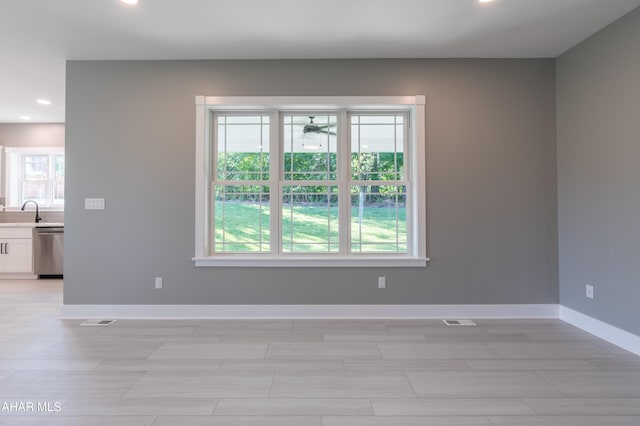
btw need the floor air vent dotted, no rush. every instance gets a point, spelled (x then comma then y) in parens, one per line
(99, 323)
(464, 323)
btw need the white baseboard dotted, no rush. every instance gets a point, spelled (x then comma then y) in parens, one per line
(614, 335)
(610, 333)
(307, 311)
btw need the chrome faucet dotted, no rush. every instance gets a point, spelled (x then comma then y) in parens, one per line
(38, 218)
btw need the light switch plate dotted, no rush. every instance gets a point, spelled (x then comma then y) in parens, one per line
(94, 203)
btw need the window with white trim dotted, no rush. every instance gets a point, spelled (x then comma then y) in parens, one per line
(298, 182)
(35, 174)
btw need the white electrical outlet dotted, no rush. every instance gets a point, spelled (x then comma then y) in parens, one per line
(158, 283)
(94, 203)
(382, 282)
(589, 293)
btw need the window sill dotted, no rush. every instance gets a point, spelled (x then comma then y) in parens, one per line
(310, 262)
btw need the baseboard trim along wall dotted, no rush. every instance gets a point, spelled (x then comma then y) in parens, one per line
(614, 335)
(307, 311)
(610, 333)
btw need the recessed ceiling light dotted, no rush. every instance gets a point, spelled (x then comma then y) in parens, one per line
(44, 101)
(485, 1)
(129, 1)
(24, 117)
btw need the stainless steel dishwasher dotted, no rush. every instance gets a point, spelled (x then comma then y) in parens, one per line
(48, 251)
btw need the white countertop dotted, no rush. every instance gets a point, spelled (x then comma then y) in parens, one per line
(29, 224)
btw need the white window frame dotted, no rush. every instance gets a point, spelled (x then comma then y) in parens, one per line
(11, 187)
(416, 226)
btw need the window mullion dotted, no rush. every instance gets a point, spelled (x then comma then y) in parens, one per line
(344, 175)
(275, 176)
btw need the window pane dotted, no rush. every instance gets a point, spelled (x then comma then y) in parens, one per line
(373, 119)
(58, 192)
(246, 119)
(35, 190)
(310, 146)
(378, 219)
(59, 166)
(36, 167)
(58, 183)
(310, 219)
(242, 147)
(377, 147)
(241, 219)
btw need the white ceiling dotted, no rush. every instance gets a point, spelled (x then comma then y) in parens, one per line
(37, 36)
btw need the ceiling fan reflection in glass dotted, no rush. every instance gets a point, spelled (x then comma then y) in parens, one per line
(314, 133)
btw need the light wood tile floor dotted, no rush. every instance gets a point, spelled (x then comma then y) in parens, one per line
(304, 372)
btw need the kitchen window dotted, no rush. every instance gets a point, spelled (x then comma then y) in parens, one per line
(310, 182)
(35, 174)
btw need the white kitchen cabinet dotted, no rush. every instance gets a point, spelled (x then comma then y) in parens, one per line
(16, 250)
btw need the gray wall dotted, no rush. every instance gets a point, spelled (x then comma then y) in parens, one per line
(31, 135)
(598, 87)
(491, 182)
